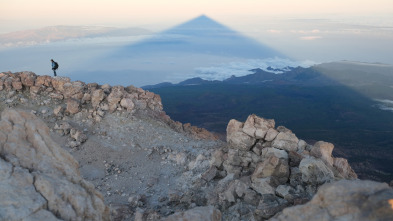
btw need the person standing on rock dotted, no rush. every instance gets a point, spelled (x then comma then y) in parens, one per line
(55, 66)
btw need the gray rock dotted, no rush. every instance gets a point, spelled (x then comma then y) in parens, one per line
(345, 200)
(269, 205)
(286, 141)
(210, 173)
(208, 213)
(285, 192)
(315, 171)
(272, 166)
(217, 158)
(45, 177)
(324, 151)
(263, 185)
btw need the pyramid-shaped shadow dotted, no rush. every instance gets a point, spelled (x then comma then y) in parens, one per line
(201, 35)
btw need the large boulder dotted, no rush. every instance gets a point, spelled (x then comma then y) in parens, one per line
(27, 78)
(324, 151)
(74, 90)
(73, 106)
(286, 141)
(38, 179)
(257, 127)
(236, 136)
(344, 168)
(314, 171)
(357, 200)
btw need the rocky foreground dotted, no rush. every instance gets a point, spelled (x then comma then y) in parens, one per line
(76, 151)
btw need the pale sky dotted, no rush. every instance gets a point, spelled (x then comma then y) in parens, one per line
(317, 30)
(25, 14)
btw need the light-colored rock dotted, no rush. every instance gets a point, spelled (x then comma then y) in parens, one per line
(302, 145)
(57, 111)
(78, 135)
(286, 141)
(86, 98)
(285, 191)
(271, 134)
(38, 177)
(27, 78)
(115, 97)
(17, 85)
(344, 168)
(208, 213)
(96, 97)
(65, 127)
(217, 158)
(57, 96)
(58, 83)
(262, 185)
(271, 151)
(73, 89)
(73, 106)
(44, 80)
(324, 151)
(181, 158)
(237, 138)
(345, 200)
(315, 171)
(272, 166)
(127, 103)
(257, 127)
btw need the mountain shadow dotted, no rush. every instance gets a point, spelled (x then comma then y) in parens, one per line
(201, 35)
(174, 54)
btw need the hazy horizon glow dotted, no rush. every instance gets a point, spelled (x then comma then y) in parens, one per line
(22, 14)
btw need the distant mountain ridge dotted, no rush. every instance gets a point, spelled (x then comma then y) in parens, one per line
(289, 76)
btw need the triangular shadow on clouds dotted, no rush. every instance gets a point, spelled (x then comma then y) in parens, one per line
(201, 35)
(175, 54)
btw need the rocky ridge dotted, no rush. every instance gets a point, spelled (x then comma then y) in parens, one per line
(88, 102)
(148, 167)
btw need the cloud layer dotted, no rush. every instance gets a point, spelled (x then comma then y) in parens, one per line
(226, 70)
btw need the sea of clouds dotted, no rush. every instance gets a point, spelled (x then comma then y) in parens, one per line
(242, 68)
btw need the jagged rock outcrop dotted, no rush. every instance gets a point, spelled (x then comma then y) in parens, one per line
(88, 101)
(345, 200)
(265, 169)
(38, 179)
